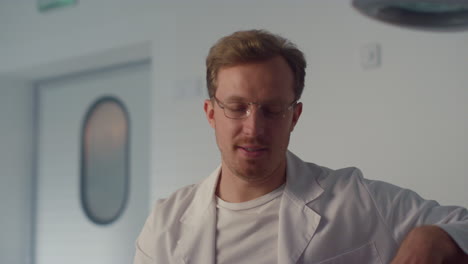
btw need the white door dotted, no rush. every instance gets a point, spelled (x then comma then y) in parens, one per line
(66, 231)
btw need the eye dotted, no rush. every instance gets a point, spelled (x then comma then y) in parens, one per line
(273, 109)
(237, 107)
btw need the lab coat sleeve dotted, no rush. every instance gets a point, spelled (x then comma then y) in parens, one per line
(403, 209)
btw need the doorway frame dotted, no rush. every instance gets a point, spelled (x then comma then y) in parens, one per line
(135, 53)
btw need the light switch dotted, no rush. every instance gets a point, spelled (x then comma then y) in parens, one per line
(370, 56)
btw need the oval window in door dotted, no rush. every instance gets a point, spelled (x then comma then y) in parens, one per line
(105, 160)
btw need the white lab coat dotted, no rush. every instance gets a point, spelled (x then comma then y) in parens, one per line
(326, 216)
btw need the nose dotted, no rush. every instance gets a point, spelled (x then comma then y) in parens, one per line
(254, 123)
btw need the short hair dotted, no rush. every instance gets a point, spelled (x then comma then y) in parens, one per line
(254, 46)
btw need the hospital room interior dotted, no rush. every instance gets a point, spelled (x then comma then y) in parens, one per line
(101, 108)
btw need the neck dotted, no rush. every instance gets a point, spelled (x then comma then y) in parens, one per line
(235, 189)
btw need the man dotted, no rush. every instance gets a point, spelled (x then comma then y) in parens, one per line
(265, 205)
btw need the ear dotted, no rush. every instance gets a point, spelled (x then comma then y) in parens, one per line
(296, 114)
(209, 112)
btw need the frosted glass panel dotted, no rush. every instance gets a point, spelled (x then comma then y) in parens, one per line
(104, 166)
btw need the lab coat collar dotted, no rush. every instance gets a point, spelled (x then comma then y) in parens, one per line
(204, 199)
(301, 188)
(198, 245)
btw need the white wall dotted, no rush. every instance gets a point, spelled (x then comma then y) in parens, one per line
(16, 138)
(404, 122)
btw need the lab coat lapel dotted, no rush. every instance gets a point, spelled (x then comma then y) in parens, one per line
(297, 222)
(198, 235)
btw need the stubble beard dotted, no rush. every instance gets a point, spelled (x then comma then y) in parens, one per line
(250, 170)
(257, 172)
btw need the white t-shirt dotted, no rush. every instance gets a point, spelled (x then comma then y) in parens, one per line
(248, 232)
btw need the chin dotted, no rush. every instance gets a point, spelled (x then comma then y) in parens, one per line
(254, 172)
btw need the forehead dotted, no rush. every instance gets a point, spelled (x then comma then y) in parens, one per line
(257, 81)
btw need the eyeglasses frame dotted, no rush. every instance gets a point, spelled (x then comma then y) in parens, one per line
(222, 105)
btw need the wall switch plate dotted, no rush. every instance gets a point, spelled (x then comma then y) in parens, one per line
(370, 55)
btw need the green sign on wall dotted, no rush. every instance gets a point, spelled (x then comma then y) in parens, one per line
(45, 5)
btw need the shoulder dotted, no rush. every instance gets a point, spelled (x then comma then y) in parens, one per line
(166, 213)
(184, 202)
(352, 179)
(307, 175)
(177, 197)
(336, 178)
(162, 225)
(169, 210)
(323, 176)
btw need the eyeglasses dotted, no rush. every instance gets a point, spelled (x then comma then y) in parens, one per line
(241, 110)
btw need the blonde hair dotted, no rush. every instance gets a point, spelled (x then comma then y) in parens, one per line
(253, 46)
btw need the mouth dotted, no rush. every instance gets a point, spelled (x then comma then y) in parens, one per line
(253, 151)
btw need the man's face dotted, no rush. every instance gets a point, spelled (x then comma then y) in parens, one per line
(254, 147)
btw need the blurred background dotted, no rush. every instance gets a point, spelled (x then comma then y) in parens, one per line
(101, 111)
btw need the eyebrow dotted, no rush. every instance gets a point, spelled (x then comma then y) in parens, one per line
(236, 98)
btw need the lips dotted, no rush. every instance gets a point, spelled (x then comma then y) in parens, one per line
(252, 151)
